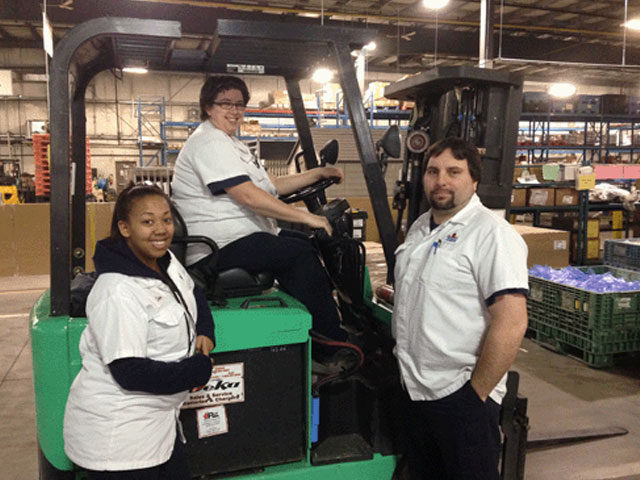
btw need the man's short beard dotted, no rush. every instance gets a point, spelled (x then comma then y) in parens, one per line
(448, 205)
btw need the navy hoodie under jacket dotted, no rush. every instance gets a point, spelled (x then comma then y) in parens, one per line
(144, 374)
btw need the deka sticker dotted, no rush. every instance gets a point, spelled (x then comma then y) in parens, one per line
(226, 385)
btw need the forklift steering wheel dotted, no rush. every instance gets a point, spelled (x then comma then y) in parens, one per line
(310, 190)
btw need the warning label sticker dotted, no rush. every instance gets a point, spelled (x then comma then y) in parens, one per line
(212, 421)
(226, 385)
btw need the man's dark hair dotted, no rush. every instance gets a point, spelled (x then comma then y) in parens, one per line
(461, 150)
(125, 201)
(218, 84)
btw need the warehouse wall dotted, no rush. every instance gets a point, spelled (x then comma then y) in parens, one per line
(112, 120)
(112, 123)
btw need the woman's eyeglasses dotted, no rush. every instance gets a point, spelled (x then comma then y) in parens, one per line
(229, 105)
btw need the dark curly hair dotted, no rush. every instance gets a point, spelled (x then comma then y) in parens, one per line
(218, 84)
(461, 150)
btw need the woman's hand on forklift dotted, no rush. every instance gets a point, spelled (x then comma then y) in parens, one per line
(331, 172)
(319, 222)
(204, 345)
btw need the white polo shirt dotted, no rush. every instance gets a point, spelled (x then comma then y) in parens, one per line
(105, 426)
(212, 156)
(443, 279)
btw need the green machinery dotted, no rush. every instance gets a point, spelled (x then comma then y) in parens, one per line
(272, 427)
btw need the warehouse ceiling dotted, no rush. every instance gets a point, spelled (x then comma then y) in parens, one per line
(535, 37)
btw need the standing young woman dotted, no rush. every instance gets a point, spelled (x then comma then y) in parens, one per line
(147, 343)
(223, 192)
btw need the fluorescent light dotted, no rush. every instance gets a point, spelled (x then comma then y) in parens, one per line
(633, 24)
(562, 90)
(134, 70)
(435, 4)
(322, 75)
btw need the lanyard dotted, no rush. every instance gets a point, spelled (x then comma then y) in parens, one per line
(189, 321)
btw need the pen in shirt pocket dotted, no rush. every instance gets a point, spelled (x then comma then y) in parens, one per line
(435, 245)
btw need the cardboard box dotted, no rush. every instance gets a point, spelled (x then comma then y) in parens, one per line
(571, 224)
(24, 236)
(546, 246)
(518, 197)
(541, 197)
(566, 196)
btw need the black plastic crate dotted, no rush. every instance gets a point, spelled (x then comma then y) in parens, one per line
(614, 104)
(588, 104)
(634, 106)
(563, 105)
(536, 102)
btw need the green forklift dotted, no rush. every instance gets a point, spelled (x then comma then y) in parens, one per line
(271, 416)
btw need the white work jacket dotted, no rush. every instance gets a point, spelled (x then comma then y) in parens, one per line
(107, 427)
(444, 279)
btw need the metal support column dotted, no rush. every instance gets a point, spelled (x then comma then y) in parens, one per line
(59, 165)
(302, 122)
(78, 199)
(59, 90)
(370, 167)
(487, 10)
(583, 223)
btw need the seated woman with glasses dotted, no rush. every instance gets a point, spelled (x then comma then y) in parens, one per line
(223, 192)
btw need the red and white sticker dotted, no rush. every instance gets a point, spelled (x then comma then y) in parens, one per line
(212, 421)
(226, 385)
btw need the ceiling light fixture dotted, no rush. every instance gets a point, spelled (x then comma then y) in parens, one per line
(562, 90)
(135, 70)
(435, 4)
(322, 75)
(633, 24)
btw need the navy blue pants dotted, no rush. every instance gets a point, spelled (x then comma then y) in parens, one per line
(294, 262)
(175, 468)
(453, 438)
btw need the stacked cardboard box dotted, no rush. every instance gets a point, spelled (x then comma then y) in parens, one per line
(540, 197)
(546, 246)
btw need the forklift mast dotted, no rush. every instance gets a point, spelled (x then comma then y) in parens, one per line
(480, 105)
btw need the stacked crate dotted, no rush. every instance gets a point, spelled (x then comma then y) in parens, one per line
(42, 156)
(596, 328)
(623, 253)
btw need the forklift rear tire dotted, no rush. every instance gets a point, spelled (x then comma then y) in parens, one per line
(46, 471)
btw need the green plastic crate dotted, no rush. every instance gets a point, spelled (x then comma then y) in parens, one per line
(599, 347)
(586, 309)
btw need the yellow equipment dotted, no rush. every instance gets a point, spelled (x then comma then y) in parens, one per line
(9, 195)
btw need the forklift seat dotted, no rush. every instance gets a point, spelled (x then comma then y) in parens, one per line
(235, 282)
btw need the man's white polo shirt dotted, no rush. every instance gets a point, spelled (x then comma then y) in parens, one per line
(443, 279)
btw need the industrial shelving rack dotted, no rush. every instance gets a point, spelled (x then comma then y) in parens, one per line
(153, 125)
(594, 148)
(600, 135)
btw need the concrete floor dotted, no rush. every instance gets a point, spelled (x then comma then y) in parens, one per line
(563, 395)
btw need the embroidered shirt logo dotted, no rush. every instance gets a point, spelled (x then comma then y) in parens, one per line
(452, 238)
